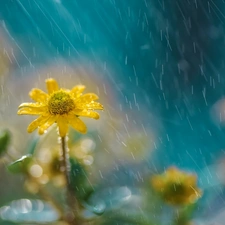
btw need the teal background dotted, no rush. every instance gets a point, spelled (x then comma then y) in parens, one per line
(166, 52)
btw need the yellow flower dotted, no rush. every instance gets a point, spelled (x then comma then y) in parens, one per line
(60, 106)
(176, 187)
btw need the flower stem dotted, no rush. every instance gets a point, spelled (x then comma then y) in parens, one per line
(71, 214)
(180, 217)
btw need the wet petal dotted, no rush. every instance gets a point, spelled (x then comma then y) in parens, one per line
(157, 183)
(77, 90)
(31, 105)
(36, 123)
(92, 105)
(86, 113)
(86, 98)
(62, 126)
(38, 95)
(52, 85)
(32, 111)
(78, 125)
(46, 125)
(191, 180)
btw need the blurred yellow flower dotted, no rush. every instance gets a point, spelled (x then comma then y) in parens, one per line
(176, 187)
(60, 106)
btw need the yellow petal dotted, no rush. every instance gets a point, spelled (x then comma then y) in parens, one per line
(92, 105)
(86, 113)
(191, 180)
(77, 90)
(38, 95)
(86, 98)
(62, 126)
(52, 85)
(32, 111)
(31, 105)
(46, 125)
(95, 105)
(36, 123)
(78, 125)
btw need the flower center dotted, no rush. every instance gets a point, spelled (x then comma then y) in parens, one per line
(60, 103)
(175, 189)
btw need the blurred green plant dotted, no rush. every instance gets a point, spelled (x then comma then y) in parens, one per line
(5, 138)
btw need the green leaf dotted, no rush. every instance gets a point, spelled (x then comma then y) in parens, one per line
(8, 222)
(20, 165)
(32, 144)
(185, 214)
(5, 138)
(113, 198)
(92, 210)
(107, 200)
(79, 181)
(28, 211)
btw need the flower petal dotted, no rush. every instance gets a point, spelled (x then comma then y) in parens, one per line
(36, 123)
(86, 113)
(30, 105)
(78, 124)
(191, 180)
(77, 90)
(92, 105)
(62, 126)
(52, 85)
(88, 98)
(32, 111)
(46, 125)
(38, 95)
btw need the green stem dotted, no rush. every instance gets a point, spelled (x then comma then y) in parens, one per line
(180, 217)
(71, 215)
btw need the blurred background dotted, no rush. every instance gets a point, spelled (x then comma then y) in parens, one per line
(158, 67)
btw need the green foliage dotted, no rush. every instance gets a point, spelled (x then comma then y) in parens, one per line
(20, 165)
(5, 138)
(8, 222)
(184, 214)
(79, 181)
(32, 144)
